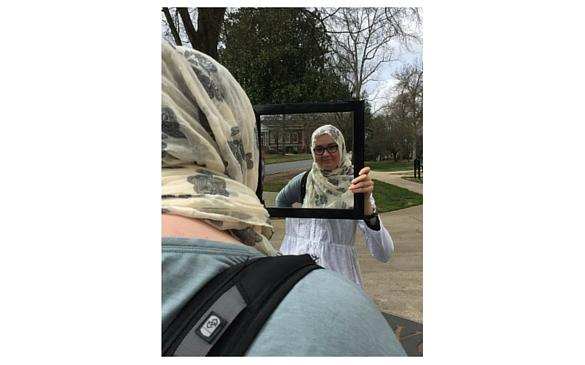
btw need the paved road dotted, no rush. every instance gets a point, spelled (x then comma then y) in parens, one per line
(285, 166)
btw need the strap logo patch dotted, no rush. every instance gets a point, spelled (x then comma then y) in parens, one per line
(211, 327)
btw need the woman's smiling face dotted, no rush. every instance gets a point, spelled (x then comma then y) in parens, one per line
(328, 160)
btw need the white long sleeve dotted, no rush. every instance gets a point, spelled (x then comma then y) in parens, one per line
(379, 243)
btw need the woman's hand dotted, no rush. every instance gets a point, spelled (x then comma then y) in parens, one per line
(364, 184)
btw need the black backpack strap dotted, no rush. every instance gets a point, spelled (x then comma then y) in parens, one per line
(225, 316)
(183, 321)
(304, 185)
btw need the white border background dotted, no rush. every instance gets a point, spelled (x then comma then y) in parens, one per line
(503, 184)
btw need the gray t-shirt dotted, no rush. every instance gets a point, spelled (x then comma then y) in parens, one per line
(323, 315)
(291, 193)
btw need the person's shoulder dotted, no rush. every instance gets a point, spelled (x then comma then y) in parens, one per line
(295, 182)
(330, 286)
(326, 315)
(298, 177)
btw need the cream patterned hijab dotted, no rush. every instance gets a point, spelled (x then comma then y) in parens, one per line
(330, 189)
(209, 148)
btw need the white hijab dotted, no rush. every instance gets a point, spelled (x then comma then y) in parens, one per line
(209, 148)
(330, 189)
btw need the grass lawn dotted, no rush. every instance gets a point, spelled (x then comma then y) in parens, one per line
(275, 182)
(391, 197)
(388, 197)
(375, 165)
(274, 186)
(390, 165)
(276, 158)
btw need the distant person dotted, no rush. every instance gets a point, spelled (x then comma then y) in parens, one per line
(330, 184)
(212, 219)
(417, 167)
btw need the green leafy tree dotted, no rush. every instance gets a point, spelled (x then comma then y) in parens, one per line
(280, 55)
(376, 138)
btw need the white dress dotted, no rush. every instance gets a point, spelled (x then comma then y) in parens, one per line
(331, 243)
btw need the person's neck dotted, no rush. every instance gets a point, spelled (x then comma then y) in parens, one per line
(179, 226)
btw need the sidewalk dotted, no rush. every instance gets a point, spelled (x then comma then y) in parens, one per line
(396, 286)
(394, 178)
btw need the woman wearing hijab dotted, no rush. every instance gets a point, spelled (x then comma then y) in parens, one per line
(213, 220)
(330, 184)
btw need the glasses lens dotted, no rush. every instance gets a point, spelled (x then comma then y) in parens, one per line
(319, 150)
(332, 149)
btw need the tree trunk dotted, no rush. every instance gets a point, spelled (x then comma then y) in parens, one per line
(172, 26)
(189, 28)
(209, 24)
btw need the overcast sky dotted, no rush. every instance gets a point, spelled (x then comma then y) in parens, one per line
(383, 89)
(380, 89)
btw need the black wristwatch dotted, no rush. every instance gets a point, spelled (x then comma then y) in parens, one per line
(372, 219)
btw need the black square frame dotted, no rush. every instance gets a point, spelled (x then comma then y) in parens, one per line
(355, 106)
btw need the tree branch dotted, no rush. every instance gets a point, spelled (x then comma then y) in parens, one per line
(171, 24)
(189, 28)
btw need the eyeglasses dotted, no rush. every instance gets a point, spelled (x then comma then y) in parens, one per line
(319, 150)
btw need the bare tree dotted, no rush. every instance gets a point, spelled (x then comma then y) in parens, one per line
(172, 20)
(172, 27)
(188, 25)
(410, 101)
(205, 37)
(400, 134)
(362, 40)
